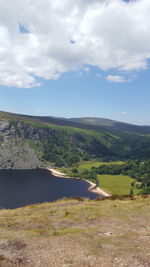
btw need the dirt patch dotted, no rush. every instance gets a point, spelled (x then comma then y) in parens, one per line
(12, 253)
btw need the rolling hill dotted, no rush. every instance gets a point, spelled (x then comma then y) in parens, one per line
(112, 124)
(33, 141)
(89, 123)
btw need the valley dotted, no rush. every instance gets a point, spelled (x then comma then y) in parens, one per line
(78, 147)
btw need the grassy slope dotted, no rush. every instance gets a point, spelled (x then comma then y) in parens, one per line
(75, 233)
(98, 122)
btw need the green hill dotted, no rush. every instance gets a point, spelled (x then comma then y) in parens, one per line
(89, 123)
(112, 125)
(33, 141)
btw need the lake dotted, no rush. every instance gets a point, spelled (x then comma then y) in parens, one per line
(24, 187)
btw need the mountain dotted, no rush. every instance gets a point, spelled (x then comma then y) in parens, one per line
(34, 141)
(112, 124)
(89, 123)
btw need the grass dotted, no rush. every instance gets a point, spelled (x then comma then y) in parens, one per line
(116, 184)
(87, 165)
(61, 217)
(74, 232)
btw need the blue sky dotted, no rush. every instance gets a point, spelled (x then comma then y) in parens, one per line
(83, 94)
(82, 59)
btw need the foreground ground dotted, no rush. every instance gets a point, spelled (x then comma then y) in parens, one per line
(76, 233)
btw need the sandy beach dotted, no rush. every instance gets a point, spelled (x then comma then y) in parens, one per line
(56, 173)
(92, 186)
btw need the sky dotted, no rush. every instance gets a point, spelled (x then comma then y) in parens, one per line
(76, 58)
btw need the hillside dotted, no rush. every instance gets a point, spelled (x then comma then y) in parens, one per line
(112, 124)
(31, 142)
(76, 233)
(88, 123)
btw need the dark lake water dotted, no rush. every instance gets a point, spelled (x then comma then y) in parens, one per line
(23, 187)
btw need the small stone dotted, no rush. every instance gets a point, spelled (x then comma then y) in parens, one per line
(108, 233)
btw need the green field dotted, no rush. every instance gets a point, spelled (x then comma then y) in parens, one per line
(116, 184)
(87, 165)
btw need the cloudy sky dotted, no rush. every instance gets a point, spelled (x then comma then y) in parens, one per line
(76, 58)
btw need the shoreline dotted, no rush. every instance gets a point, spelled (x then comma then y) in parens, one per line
(92, 188)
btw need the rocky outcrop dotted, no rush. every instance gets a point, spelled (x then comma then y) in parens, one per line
(15, 151)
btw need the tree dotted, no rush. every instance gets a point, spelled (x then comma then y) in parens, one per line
(131, 193)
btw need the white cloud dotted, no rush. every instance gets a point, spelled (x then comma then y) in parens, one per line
(64, 35)
(124, 112)
(115, 78)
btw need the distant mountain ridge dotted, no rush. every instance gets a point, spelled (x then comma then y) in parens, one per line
(33, 141)
(112, 123)
(90, 123)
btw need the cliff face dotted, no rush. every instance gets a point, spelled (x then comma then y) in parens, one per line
(15, 151)
(26, 145)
